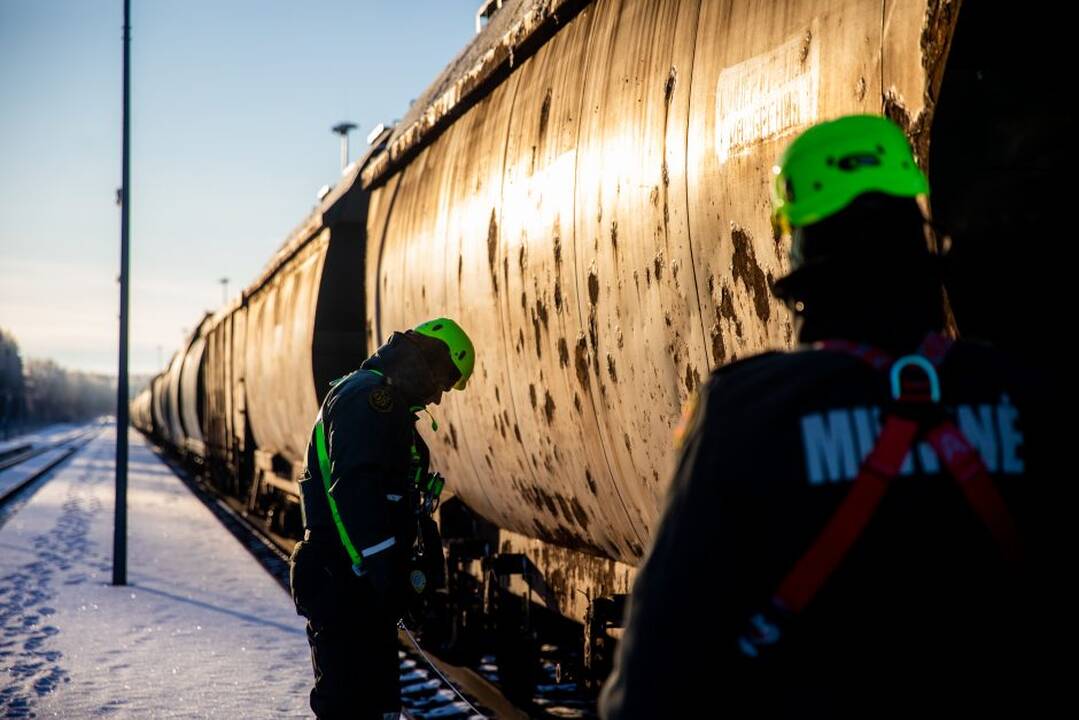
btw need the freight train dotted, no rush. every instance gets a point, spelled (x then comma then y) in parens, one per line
(586, 188)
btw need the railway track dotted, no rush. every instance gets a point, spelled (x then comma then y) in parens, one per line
(22, 466)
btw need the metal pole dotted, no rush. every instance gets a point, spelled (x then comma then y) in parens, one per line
(119, 537)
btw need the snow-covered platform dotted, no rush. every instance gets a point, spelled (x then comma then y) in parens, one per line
(201, 631)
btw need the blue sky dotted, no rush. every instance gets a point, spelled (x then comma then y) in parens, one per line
(231, 107)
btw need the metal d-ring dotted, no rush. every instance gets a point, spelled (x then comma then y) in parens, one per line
(926, 366)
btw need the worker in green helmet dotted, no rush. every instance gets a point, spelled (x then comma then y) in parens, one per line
(366, 496)
(848, 530)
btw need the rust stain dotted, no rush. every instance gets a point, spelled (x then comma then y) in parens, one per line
(668, 87)
(693, 378)
(719, 350)
(556, 245)
(593, 284)
(593, 488)
(580, 360)
(536, 332)
(545, 113)
(548, 406)
(492, 248)
(746, 269)
(532, 395)
(579, 513)
(563, 352)
(541, 312)
(593, 336)
(611, 368)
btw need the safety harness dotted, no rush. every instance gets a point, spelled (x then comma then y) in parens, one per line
(430, 490)
(915, 412)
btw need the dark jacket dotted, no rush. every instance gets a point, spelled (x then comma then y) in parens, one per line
(370, 434)
(921, 618)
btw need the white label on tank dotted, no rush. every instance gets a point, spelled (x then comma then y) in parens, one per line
(767, 96)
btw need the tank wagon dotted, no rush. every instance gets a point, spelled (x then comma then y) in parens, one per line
(587, 188)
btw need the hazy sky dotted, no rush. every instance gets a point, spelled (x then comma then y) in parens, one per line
(232, 101)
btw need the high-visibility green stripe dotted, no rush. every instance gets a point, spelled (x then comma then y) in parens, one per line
(324, 469)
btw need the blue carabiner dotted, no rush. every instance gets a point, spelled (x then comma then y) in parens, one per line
(925, 365)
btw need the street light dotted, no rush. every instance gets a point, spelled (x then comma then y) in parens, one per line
(343, 129)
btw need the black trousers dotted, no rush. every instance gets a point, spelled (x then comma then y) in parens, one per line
(353, 637)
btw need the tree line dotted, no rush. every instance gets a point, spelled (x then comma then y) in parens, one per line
(36, 392)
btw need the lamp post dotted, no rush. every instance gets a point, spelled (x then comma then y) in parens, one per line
(343, 129)
(119, 536)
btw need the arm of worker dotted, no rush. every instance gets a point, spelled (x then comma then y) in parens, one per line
(677, 601)
(361, 444)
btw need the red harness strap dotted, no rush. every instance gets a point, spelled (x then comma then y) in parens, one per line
(898, 436)
(967, 469)
(851, 518)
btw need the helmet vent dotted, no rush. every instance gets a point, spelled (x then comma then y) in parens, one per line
(438, 327)
(857, 160)
(461, 355)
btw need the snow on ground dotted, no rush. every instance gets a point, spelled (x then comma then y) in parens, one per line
(201, 631)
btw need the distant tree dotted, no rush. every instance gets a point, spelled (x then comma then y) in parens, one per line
(58, 395)
(40, 391)
(12, 387)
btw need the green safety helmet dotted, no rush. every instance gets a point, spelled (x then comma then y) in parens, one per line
(462, 352)
(830, 164)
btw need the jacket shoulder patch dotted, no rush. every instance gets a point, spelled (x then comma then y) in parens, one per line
(381, 399)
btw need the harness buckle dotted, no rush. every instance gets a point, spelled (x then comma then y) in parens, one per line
(914, 391)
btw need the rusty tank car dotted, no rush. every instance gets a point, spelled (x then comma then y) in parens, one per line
(586, 187)
(591, 197)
